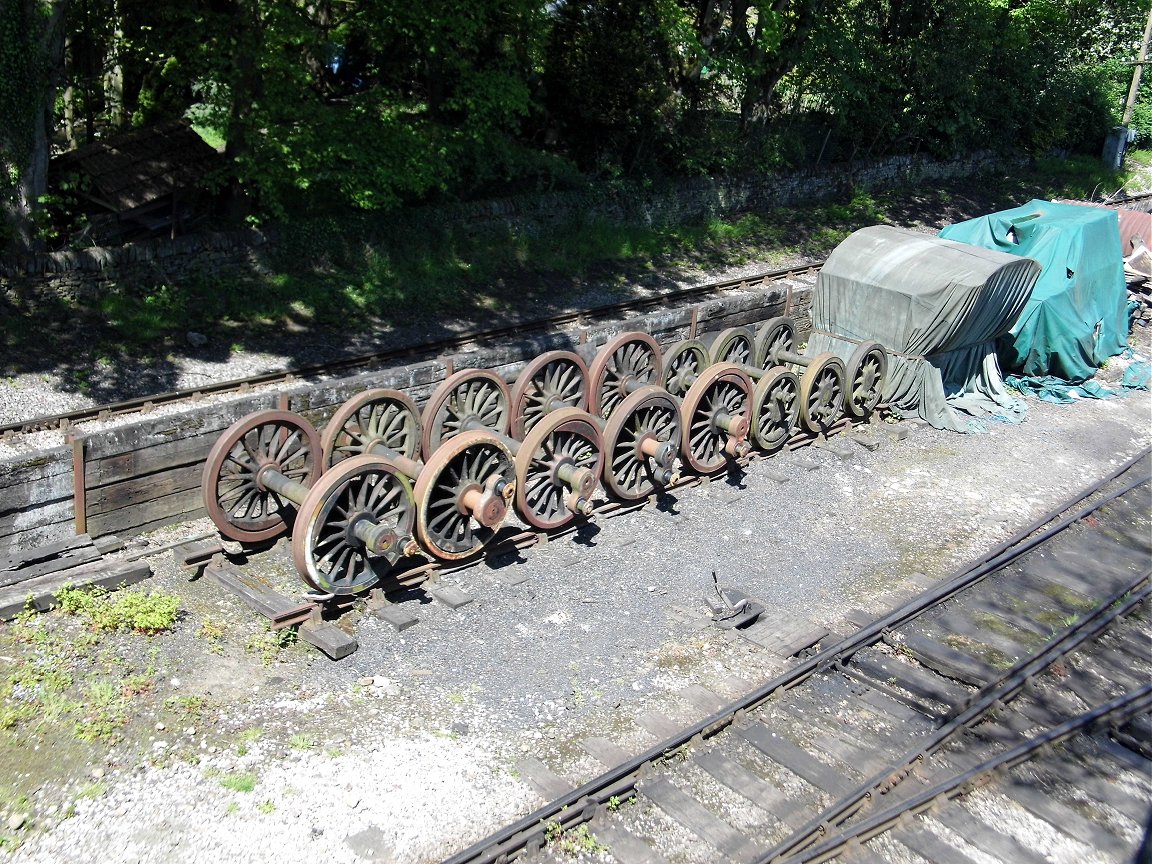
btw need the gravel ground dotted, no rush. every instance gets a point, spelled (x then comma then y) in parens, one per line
(243, 751)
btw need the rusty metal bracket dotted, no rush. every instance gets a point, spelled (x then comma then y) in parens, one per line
(79, 484)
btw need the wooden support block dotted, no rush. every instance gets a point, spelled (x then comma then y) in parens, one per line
(451, 596)
(329, 638)
(41, 591)
(390, 613)
(833, 446)
(868, 442)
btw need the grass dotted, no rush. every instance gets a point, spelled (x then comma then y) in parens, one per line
(239, 782)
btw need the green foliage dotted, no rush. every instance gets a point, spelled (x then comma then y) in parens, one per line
(269, 644)
(239, 781)
(126, 609)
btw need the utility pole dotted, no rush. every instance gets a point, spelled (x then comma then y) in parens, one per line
(1137, 71)
(1117, 141)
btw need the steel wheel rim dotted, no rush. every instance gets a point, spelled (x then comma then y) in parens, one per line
(628, 472)
(551, 381)
(683, 364)
(777, 401)
(776, 334)
(734, 345)
(627, 357)
(723, 388)
(327, 556)
(470, 396)
(469, 458)
(568, 436)
(822, 392)
(239, 505)
(867, 368)
(386, 417)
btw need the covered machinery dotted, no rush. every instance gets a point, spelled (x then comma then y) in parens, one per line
(1077, 316)
(937, 306)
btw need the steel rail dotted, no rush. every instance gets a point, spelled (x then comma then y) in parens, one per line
(577, 805)
(988, 697)
(1126, 706)
(424, 350)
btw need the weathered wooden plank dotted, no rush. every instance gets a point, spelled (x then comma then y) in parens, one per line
(626, 847)
(40, 594)
(335, 392)
(35, 479)
(138, 490)
(196, 422)
(698, 819)
(796, 759)
(788, 808)
(70, 554)
(257, 596)
(37, 516)
(147, 460)
(29, 557)
(132, 519)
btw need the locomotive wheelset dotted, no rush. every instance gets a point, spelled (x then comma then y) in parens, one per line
(386, 481)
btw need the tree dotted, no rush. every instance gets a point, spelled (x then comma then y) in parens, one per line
(31, 53)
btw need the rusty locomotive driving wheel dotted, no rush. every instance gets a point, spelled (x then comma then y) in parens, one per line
(370, 419)
(776, 408)
(462, 494)
(357, 517)
(682, 366)
(557, 468)
(866, 370)
(734, 345)
(642, 443)
(261, 466)
(624, 364)
(775, 337)
(557, 379)
(715, 418)
(822, 392)
(469, 400)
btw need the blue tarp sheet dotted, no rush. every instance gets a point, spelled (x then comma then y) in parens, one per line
(1076, 317)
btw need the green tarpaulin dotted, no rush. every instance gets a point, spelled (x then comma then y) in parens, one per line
(1076, 317)
(937, 306)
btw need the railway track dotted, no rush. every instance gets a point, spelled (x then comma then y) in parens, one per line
(1002, 715)
(407, 354)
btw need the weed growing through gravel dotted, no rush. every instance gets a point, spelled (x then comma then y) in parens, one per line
(126, 609)
(268, 644)
(243, 782)
(301, 741)
(246, 739)
(266, 807)
(573, 841)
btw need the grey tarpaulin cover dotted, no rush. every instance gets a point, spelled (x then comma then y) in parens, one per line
(937, 306)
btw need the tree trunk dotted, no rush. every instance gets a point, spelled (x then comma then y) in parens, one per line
(30, 130)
